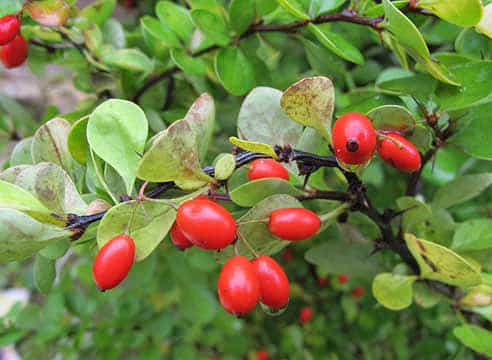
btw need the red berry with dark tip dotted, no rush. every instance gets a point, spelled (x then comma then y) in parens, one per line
(113, 262)
(353, 138)
(358, 292)
(267, 168)
(206, 224)
(293, 223)
(14, 53)
(9, 28)
(306, 314)
(400, 153)
(238, 286)
(274, 284)
(178, 238)
(262, 354)
(343, 279)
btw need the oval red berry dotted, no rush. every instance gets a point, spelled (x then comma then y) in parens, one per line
(178, 238)
(113, 262)
(238, 286)
(353, 138)
(206, 224)
(293, 223)
(274, 284)
(267, 168)
(14, 53)
(9, 28)
(305, 315)
(400, 153)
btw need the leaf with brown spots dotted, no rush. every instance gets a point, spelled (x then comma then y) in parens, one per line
(49, 12)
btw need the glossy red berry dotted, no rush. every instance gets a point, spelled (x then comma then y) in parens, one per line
(262, 354)
(293, 223)
(9, 28)
(399, 152)
(14, 53)
(238, 286)
(178, 238)
(353, 138)
(306, 314)
(274, 284)
(267, 168)
(358, 292)
(206, 224)
(113, 262)
(343, 279)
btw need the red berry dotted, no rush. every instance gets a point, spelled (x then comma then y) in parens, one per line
(306, 314)
(113, 262)
(206, 224)
(238, 286)
(14, 53)
(262, 354)
(399, 152)
(323, 281)
(293, 223)
(358, 292)
(274, 284)
(9, 28)
(353, 138)
(178, 238)
(343, 279)
(267, 168)
(287, 255)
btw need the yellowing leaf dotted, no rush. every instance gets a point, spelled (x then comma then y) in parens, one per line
(254, 146)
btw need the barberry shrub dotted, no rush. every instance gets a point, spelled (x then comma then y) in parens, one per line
(181, 97)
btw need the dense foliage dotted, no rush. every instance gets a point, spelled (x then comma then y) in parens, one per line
(182, 97)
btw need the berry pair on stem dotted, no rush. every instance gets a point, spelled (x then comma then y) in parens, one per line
(13, 50)
(354, 141)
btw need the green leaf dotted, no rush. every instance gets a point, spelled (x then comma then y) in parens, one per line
(98, 11)
(212, 25)
(114, 33)
(127, 59)
(256, 233)
(337, 44)
(49, 144)
(44, 273)
(416, 212)
(475, 337)
(15, 197)
(293, 8)
(472, 132)
(393, 291)
(465, 13)
(473, 235)
(21, 155)
(159, 34)
(49, 12)
(310, 102)
(8, 7)
(254, 191)
(189, 65)
(176, 17)
(437, 262)
(436, 69)
(254, 146)
(342, 256)
(320, 7)
(242, 14)
(173, 156)
(227, 62)
(462, 189)
(77, 141)
(21, 236)
(420, 86)
(52, 187)
(224, 167)
(201, 118)
(117, 131)
(392, 118)
(404, 30)
(57, 249)
(262, 119)
(147, 223)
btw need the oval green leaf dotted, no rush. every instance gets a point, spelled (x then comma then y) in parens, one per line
(393, 291)
(392, 118)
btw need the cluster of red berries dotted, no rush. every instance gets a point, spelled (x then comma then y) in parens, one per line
(13, 46)
(354, 140)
